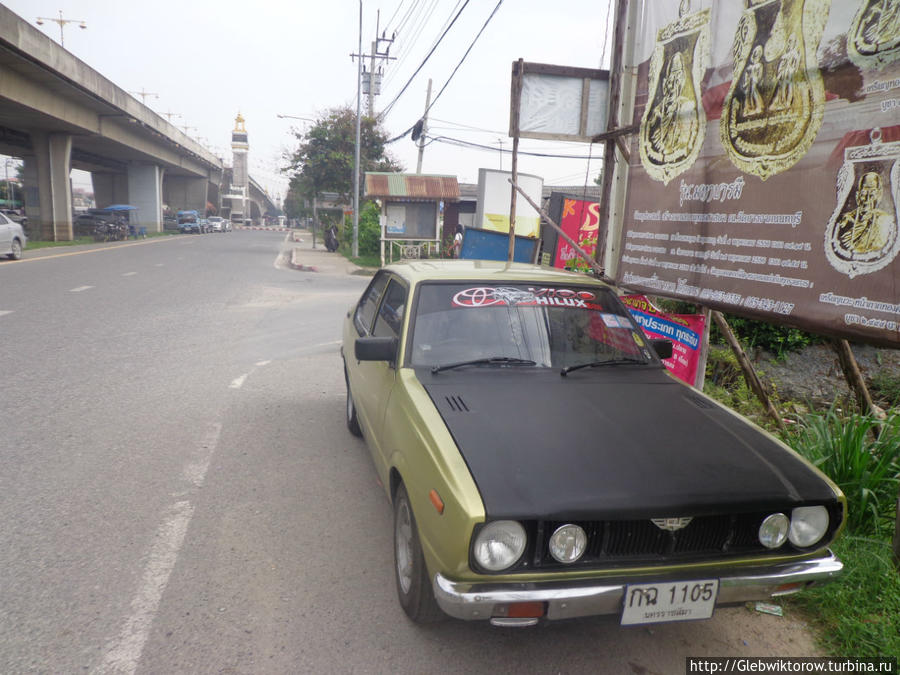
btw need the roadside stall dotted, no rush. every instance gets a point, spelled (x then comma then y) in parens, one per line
(411, 206)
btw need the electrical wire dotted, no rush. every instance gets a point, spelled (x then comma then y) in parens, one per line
(480, 146)
(418, 24)
(393, 16)
(390, 105)
(462, 60)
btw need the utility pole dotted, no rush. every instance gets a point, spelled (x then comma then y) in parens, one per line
(144, 94)
(62, 22)
(371, 79)
(424, 128)
(355, 249)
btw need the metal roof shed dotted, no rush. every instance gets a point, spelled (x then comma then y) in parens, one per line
(410, 208)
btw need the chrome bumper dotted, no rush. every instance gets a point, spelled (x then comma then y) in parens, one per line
(571, 599)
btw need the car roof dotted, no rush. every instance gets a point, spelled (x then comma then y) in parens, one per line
(418, 271)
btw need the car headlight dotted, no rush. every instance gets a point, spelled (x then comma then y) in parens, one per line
(774, 530)
(567, 543)
(808, 525)
(499, 545)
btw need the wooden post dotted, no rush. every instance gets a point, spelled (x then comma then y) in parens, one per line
(595, 266)
(518, 68)
(855, 379)
(747, 368)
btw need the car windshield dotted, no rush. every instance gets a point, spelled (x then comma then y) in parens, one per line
(553, 326)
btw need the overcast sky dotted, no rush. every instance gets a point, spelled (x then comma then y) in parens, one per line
(206, 61)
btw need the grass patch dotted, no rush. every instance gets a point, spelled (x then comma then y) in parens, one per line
(866, 469)
(859, 614)
(373, 261)
(32, 244)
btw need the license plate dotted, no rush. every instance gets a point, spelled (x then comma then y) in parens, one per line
(670, 601)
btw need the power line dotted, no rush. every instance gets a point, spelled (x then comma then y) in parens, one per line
(385, 111)
(425, 60)
(435, 100)
(480, 146)
(388, 24)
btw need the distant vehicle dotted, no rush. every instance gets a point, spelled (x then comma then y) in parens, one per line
(12, 238)
(189, 222)
(170, 223)
(16, 217)
(216, 224)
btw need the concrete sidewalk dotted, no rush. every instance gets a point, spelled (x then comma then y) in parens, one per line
(308, 259)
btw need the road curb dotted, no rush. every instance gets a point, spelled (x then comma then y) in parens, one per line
(297, 265)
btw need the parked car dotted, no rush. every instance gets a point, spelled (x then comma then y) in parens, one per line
(189, 222)
(12, 238)
(17, 217)
(216, 224)
(543, 465)
(170, 223)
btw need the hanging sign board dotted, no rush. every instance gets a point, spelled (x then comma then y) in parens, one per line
(765, 177)
(560, 103)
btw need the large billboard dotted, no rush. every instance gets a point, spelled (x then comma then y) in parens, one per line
(765, 177)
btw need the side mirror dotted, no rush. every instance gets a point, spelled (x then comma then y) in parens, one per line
(375, 348)
(663, 347)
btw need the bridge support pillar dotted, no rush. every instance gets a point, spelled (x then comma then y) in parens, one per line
(109, 188)
(48, 191)
(145, 192)
(183, 194)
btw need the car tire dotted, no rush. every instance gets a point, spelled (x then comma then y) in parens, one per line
(15, 251)
(413, 585)
(352, 419)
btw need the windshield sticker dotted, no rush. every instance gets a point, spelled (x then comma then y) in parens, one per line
(488, 296)
(637, 339)
(615, 321)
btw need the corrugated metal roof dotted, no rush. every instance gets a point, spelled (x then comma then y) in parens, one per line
(410, 186)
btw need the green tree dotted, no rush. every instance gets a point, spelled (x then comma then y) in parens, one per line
(324, 159)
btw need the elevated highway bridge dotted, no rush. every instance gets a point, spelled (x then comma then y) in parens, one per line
(57, 113)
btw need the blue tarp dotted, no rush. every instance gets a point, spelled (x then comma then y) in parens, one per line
(118, 207)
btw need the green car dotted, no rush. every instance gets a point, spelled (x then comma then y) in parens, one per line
(542, 463)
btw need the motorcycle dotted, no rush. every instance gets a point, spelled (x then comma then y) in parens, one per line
(331, 239)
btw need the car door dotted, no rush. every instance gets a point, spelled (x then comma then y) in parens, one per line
(379, 377)
(360, 375)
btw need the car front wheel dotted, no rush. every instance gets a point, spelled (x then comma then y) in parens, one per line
(15, 252)
(413, 585)
(352, 419)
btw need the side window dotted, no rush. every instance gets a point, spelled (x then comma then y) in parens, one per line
(365, 311)
(390, 316)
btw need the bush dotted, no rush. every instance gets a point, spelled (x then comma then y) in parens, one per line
(774, 338)
(867, 470)
(369, 231)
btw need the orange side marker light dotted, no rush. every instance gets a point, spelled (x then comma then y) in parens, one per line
(436, 501)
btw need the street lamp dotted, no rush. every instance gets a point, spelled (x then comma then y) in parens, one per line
(62, 22)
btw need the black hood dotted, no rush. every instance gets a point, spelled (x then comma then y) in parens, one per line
(618, 442)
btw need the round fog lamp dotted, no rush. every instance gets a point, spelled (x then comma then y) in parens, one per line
(567, 543)
(774, 530)
(499, 545)
(808, 525)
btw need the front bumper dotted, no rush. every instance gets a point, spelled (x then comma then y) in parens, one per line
(571, 599)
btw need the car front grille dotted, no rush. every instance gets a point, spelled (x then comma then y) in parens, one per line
(615, 542)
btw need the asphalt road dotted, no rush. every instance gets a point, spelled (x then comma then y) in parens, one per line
(179, 493)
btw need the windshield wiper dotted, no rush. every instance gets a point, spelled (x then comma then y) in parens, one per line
(608, 362)
(494, 360)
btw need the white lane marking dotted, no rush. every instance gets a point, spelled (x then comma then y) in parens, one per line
(79, 289)
(260, 364)
(161, 264)
(129, 274)
(123, 655)
(238, 382)
(194, 472)
(5, 311)
(327, 344)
